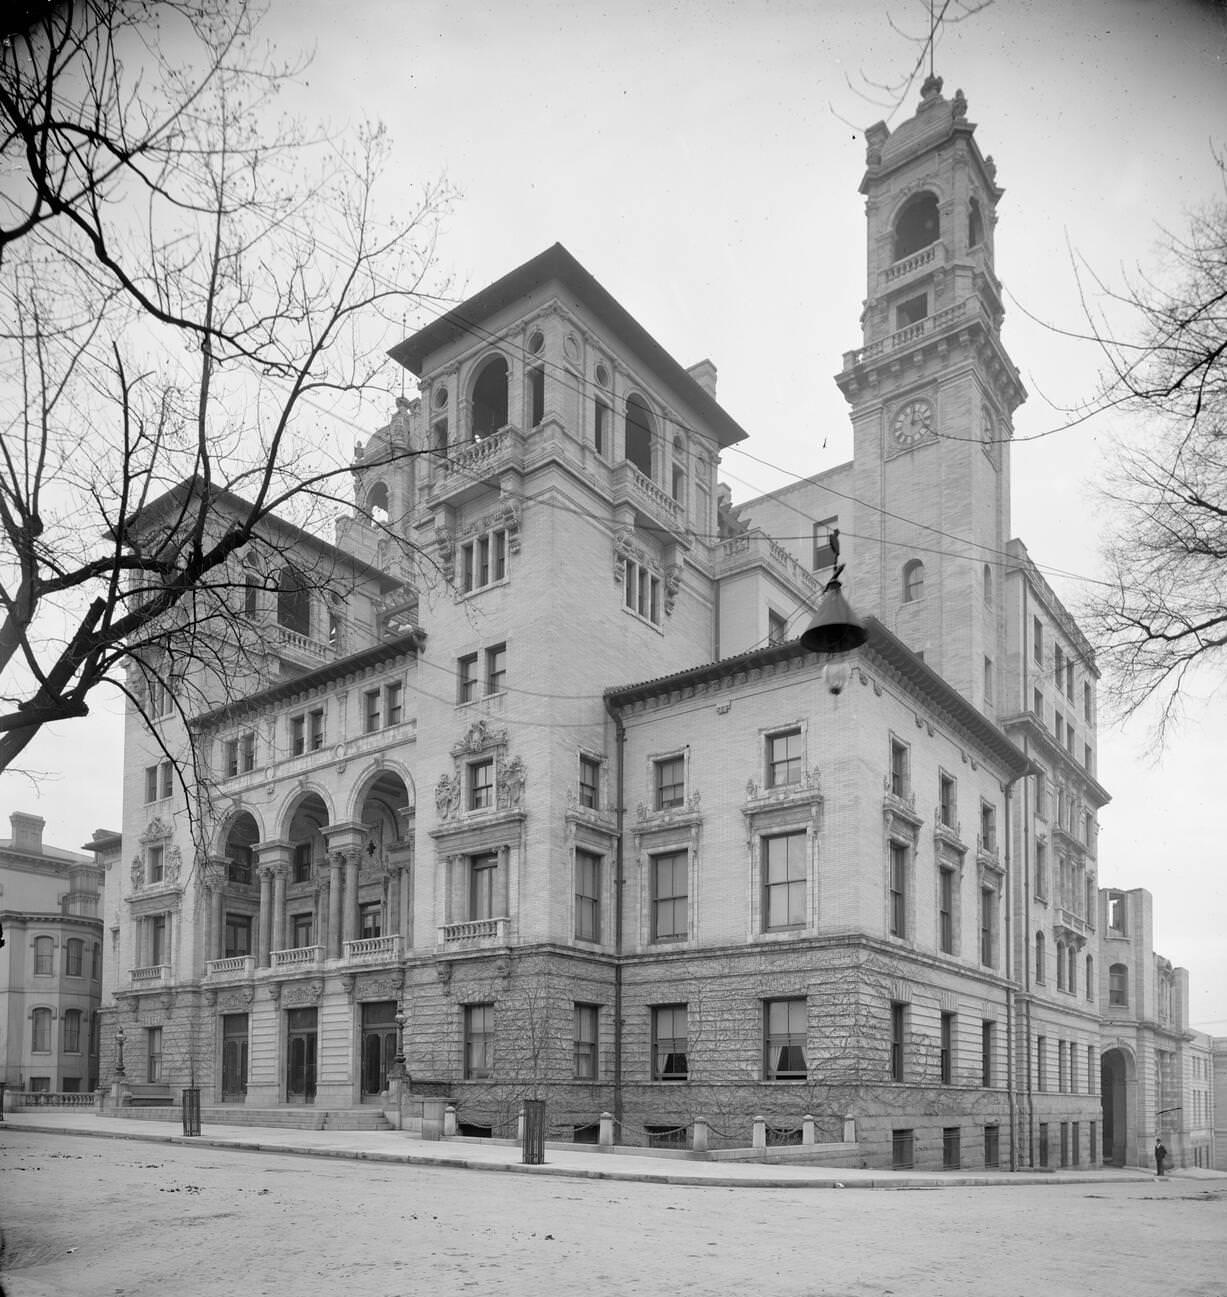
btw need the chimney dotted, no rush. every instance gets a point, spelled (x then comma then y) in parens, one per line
(704, 373)
(27, 832)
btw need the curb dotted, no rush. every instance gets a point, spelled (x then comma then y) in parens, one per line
(897, 1182)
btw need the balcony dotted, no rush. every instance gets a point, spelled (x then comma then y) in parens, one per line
(467, 470)
(153, 975)
(756, 549)
(491, 932)
(947, 829)
(299, 957)
(926, 259)
(654, 505)
(899, 804)
(960, 313)
(301, 649)
(372, 950)
(231, 969)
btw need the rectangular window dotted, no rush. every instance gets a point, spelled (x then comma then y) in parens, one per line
(1041, 871)
(947, 800)
(600, 425)
(247, 753)
(898, 1024)
(158, 945)
(301, 931)
(992, 1146)
(483, 561)
(1037, 641)
(785, 1026)
(988, 925)
(670, 778)
(466, 678)
(899, 782)
(370, 711)
(988, 826)
(157, 864)
(670, 900)
(1069, 680)
(587, 896)
(945, 910)
(946, 1056)
(1087, 761)
(230, 757)
(478, 1041)
(912, 311)
(481, 784)
(898, 889)
(590, 783)
(1087, 701)
(159, 781)
(1058, 666)
(1043, 1154)
(95, 969)
(785, 758)
(1058, 726)
(40, 1031)
(950, 1148)
(302, 862)
(496, 669)
(370, 920)
(153, 1054)
(784, 878)
(1116, 911)
(483, 877)
(988, 1034)
(315, 729)
(669, 1043)
(824, 551)
(988, 680)
(1037, 705)
(1062, 1069)
(393, 705)
(1041, 794)
(902, 1150)
(74, 957)
(1041, 1062)
(298, 735)
(587, 1020)
(1075, 1144)
(237, 936)
(777, 627)
(642, 591)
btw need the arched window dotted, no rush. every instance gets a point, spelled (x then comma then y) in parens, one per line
(1118, 984)
(1071, 976)
(293, 601)
(1090, 977)
(74, 956)
(377, 503)
(43, 953)
(913, 580)
(1060, 966)
(40, 1031)
(975, 224)
(640, 429)
(1039, 957)
(489, 405)
(917, 225)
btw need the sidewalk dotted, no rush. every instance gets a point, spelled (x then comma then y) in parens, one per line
(577, 1161)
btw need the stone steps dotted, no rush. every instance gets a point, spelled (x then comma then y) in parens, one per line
(298, 1117)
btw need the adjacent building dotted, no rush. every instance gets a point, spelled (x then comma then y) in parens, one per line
(51, 960)
(528, 776)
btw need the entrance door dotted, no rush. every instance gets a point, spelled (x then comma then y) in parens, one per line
(301, 1033)
(378, 1045)
(234, 1057)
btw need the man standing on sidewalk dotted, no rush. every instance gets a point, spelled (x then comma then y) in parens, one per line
(1160, 1155)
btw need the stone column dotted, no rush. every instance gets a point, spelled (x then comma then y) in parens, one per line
(278, 908)
(217, 937)
(334, 905)
(265, 919)
(349, 927)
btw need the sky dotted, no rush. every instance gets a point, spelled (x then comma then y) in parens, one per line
(701, 159)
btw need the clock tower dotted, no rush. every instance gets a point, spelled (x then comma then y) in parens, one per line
(932, 394)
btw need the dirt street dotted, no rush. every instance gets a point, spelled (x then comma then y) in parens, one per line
(108, 1218)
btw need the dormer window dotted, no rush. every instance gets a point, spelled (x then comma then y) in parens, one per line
(918, 225)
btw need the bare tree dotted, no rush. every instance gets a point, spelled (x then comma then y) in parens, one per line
(1164, 614)
(186, 279)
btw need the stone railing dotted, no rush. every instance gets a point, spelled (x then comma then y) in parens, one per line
(303, 645)
(153, 973)
(51, 1099)
(914, 262)
(922, 328)
(758, 546)
(298, 957)
(474, 930)
(371, 949)
(240, 965)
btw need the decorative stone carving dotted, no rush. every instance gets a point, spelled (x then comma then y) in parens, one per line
(478, 738)
(156, 830)
(445, 549)
(302, 993)
(443, 970)
(385, 987)
(138, 872)
(174, 863)
(624, 548)
(447, 797)
(348, 982)
(237, 1000)
(673, 583)
(510, 783)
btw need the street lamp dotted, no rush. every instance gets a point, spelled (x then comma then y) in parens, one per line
(401, 1019)
(119, 1046)
(837, 630)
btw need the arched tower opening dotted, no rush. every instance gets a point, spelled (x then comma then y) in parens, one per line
(917, 225)
(640, 430)
(489, 404)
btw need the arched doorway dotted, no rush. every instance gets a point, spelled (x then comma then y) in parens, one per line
(1117, 1091)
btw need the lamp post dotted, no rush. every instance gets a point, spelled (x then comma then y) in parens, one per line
(837, 630)
(119, 1057)
(401, 1019)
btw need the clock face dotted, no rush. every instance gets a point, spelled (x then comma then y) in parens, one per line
(913, 422)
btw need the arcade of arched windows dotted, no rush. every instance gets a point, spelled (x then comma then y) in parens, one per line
(318, 888)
